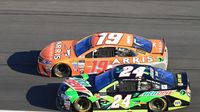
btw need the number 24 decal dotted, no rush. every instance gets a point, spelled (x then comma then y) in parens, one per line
(112, 38)
(117, 101)
(128, 70)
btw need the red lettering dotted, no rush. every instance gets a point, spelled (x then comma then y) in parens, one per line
(75, 85)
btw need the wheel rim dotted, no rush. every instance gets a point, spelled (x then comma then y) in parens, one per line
(82, 105)
(157, 105)
(61, 70)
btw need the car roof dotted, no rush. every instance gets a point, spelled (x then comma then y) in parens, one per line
(126, 40)
(112, 38)
(159, 75)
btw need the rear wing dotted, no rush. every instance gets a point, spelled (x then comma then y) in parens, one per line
(164, 44)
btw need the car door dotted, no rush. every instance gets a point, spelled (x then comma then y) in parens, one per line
(118, 95)
(98, 59)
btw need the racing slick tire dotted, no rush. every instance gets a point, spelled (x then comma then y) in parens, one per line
(82, 105)
(157, 105)
(61, 70)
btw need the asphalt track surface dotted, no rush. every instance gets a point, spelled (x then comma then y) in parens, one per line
(26, 26)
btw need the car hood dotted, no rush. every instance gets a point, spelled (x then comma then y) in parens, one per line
(58, 50)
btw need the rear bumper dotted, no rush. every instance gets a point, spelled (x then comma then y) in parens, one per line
(164, 63)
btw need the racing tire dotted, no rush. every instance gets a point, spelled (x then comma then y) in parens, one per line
(61, 70)
(82, 105)
(157, 105)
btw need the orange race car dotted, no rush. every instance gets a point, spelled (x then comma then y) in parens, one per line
(98, 52)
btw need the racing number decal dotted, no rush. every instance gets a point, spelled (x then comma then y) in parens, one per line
(112, 38)
(127, 71)
(117, 101)
(99, 66)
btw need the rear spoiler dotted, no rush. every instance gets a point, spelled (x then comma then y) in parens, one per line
(164, 44)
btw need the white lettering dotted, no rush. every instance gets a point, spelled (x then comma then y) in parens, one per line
(116, 61)
(143, 59)
(128, 40)
(57, 50)
(149, 59)
(126, 60)
(136, 60)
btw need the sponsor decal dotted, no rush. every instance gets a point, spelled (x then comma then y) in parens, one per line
(57, 50)
(179, 76)
(68, 51)
(128, 41)
(160, 47)
(97, 95)
(83, 82)
(67, 104)
(116, 61)
(177, 103)
(147, 59)
(163, 86)
(156, 93)
(160, 59)
(154, 44)
(81, 66)
(76, 85)
(98, 66)
(182, 92)
(75, 65)
(135, 42)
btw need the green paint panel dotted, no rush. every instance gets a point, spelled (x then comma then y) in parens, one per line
(92, 98)
(73, 94)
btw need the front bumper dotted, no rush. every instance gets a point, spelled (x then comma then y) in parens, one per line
(44, 67)
(63, 104)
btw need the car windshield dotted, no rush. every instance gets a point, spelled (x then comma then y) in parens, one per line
(142, 43)
(83, 45)
(103, 80)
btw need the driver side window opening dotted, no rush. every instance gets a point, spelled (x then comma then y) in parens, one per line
(130, 85)
(111, 52)
(124, 52)
(148, 86)
(102, 53)
(124, 85)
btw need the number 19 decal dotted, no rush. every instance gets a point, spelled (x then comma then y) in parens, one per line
(112, 38)
(124, 103)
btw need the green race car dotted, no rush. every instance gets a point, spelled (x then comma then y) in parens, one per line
(125, 88)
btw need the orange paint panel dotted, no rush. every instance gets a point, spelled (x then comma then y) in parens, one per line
(157, 46)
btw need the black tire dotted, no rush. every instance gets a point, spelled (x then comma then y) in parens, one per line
(82, 105)
(157, 105)
(61, 70)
